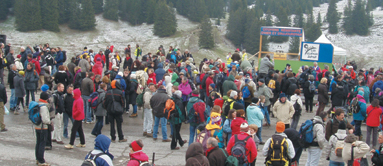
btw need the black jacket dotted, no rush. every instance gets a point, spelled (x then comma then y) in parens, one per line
(132, 91)
(178, 101)
(157, 102)
(306, 90)
(68, 104)
(59, 102)
(338, 95)
(323, 93)
(11, 75)
(128, 64)
(377, 159)
(3, 94)
(61, 77)
(118, 96)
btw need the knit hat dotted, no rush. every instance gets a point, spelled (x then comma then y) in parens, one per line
(247, 81)
(233, 93)
(212, 85)
(120, 74)
(280, 127)
(44, 88)
(219, 102)
(195, 93)
(282, 95)
(44, 96)
(135, 146)
(254, 100)
(98, 59)
(21, 73)
(261, 80)
(342, 125)
(244, 127)
(178, 93)
(18, 56)
(133, 76)
(238, 106)
(361, 93)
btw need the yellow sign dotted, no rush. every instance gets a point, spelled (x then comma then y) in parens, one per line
(280, 56)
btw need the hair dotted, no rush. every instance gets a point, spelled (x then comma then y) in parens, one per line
(228, 92)
(212, 141)
(175, 87)
(97, 76)
(230, 114)
(127, 70)
(375, 103)
(61, 67)
(237, 77)
(102, 85)
(30, 64)
(77, 68)
(240, 112)
(311, 77)
(254, 127)
(29, 55)
(339, 111)
(105, 80)
(216, 109)
(290, 74)
(323, 81)
(161, 87)
(59, 84)
(323, 115)
(339, 77)
(70, 86)
(139, 143)
(11, 66)
(326, 67)
(262, 97)
(90, 74)
(297, 91)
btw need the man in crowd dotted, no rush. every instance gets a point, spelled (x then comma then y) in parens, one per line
(11, 74)
(265, 66)
(60, 109)
(3, 101)
(157, 102)
(87, 87)
(332, 125)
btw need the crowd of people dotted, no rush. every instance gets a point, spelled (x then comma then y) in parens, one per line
(226, 103)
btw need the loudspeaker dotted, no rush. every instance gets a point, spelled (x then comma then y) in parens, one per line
(3, 39)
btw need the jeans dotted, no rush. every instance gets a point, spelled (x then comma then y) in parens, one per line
(171, 129)
(176, 136)
(358, 124)
(32, 92)
(134, 108)
(314, 154)
(54, 70)
(41, 138)
(98, 126)
(298, 153)
(148, 120)
(192, 134)
(13, 100)
(334, 163)
(87, 111)
(118, 119)
(266, 114)
(374, 132)
(65, 121)
(295, 121)
(259, 133)
(77, 127)
(58, 123)
(309, 103)
(163, 121)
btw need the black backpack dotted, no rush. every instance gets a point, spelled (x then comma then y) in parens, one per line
(292, 87)
(277, 153)
(355, 106)
(203, 83)
(90, 160)
(297, 109)
(64, 56)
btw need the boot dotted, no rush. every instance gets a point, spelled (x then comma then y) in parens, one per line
(133, 115)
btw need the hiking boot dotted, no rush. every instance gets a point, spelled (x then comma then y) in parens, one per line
(48, 148)
(154, 139)
(60, 142)
(16, 112)
(69, 146)
(261, 143)
(149, 135)
(54, 140)
(43, 164)
(4, 130)
(133, 115)
(123, 140)
(185, 141)
(145, 133)
(167, 140)
(113, 140)
(176, 148)
(81, 145)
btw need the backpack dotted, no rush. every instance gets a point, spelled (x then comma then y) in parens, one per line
(277, 153)
(320, 76)
(297, 108)
(139, 89)
(312, 87)
(34, 113)
(196, 114)
(292, 87)
(218, 79)
(355, 106)
(141, 79)
(202, 138)
(306, 133)
(140, 99)
(90, 160)
(271, 84)
(339, 146)
(246, 92)
(169, 108)
(93, 100)
(198, 79)
(230, 160)
(142, 163)
(203, 84)
(64, 56)
(239, 150)
(49, 60)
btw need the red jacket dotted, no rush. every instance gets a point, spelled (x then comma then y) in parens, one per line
(102, 57)
(78, 106)
(201, 77)
(37, 65)
(236, 125)
(353, 75)
(135, 157)
(209, 81)
(152, 79)
(251, 149)
(324, 72)
(373, 116)
(97, 68)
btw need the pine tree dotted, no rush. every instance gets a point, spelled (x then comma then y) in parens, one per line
(165, 23)
(197, 10)
(50, 16)
(123, 10)
(3, 10)
(360, 19)
(82, 15)
(206, 39)
(332, 17)
(236, 26)
(319, 19)
(269, 21)
(133, 12)
(111, 10)
(151, 7)
(283, 20)
(312, 29)
(216, 8)
(98, 6)
(28, 17)
(347, 19)
(298, 22)
(182, 7)
(64, 11)
(75, 13)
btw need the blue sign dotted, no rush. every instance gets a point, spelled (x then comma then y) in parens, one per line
(316, 52)
(282, 31)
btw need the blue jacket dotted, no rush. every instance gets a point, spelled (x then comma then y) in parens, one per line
(101, 145)
(378, 84)
(160, 72)
(122, 82)
(254, 115)
(59, 59)
(366, 95)
(361, 115)
(332, 82)
(227, 128)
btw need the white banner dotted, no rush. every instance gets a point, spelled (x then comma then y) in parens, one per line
(310, 52)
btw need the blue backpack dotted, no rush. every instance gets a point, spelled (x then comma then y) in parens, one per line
(198, 79)
(34, 112)
(246, 92)
(93, 101)
(306, 133)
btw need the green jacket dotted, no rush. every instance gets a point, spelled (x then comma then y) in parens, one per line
(190, 104)
(229, 85)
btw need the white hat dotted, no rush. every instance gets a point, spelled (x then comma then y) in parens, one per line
(120, 74)
(114, 67)
(178, 93)
(133, 76)
(233, 93)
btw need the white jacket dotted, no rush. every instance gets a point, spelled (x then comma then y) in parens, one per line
(331, 146)
(19, 65)
(283, 111)
(147, 96)
(295, 98)
(360, 150)
(169, 85)
(319, 132)
(290, 150)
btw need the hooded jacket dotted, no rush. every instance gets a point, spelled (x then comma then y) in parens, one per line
(137, 157)
(360, 149)
(236, 125)
(264, 90)
(152, 79)
(265, 65)
(283, 111)
(97, 68)
(331, 146)
(373, 116)
(216, 156)
(319, 133)
(185, 89)
(190, 104)
(147, 96)
(361, 115)
(100, 111)
(118, 96)
(174, 79)
(30, 79)
(254, 115)
(78, 106)
(44, 113)
(251, 149)
(209, 81)
(101, 145)
(169, 85)
(157, 102)
(18, 82)
(229, 85)
(195, 156)
(160, 72)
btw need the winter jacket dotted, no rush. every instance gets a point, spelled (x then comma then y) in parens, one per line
(293, 135)
(236, 125)
(59, 102)
(190, 104)
(157, 102)
(195, 156)
(373, 116)
(100, 111)
(319, 133)
(44, 113)
(87, 86)
(181, 112)
(331, 146)
(377, 157)
(254, 115)
(251, 90)
(360, 149)
(97, 68)
(209, 81)
(245, 64)
(160, 72)
(101, 145)
(288, 87)
(19, 65)
(19, 85)
(30, 79)
(251, 149)
(265, 65)
(3, 94)
(152, 79)
(61, 77)
(122, 82)
(71, 67)
(137, 157)
(147, 96)
(229, 85)
(306, 90)
(84, 64)
(332, 127)
(366, 95)
(36, 65)
(118, 97)
(323, 93)
(265, 91)
(128, 63)
(169, 85)
(11, 74)
(361, 115)
(78, 106)
(186, 90)
(133, 91)
(290, 146)
(377, 84)
(283, 111)
(227, 128)
(59, 59)
(68, 104)
(295, 98)
(216, 156)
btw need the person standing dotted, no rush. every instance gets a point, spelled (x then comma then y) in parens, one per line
(31, 78)
(176, 122)
(11, 75)
(255, 116)
(374, 113)
(330, 151)
(100, 112)
(3, 101)
(78, 116)
(148, 116)
(59, 107)
(265, 66)
(87, 87)
(250, 147)
(296, 99)
(315, 149)
(138, 51)
(377, 157)
(267, 93)
(157, 102)
(18, 82)
(101, 146)
(360, 116)
(309, 93)
(214, 154)
(42, 130)
(68, 106)
(322, 95)
(114, 102)
(283, 110)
